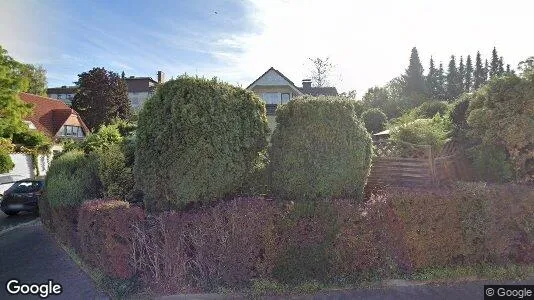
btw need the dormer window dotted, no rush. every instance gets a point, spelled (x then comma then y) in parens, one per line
(72, 131)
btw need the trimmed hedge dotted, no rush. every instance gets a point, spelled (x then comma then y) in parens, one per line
(375, 120)
(319, 149)
(72, 179)
(197, 140)
(105, 229)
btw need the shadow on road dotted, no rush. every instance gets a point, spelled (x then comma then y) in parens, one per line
(10, 221)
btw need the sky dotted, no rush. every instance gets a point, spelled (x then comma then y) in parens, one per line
(368, 42)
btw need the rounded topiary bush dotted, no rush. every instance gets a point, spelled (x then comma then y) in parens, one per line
(375, 120)
(197, 140)
(72, 179)
(319, 149)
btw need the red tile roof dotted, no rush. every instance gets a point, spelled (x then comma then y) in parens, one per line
(49, 114)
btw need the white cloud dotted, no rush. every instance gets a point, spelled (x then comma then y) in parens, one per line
(370, 41)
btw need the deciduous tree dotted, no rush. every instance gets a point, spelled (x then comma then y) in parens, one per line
(321, 69)
(101, 97)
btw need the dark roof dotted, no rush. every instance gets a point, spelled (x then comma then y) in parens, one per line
(318, 91)
(61, 90)
(140, 84)
(48, 115)
(279, 73)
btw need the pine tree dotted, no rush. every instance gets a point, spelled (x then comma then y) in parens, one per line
(442, 94)
(494, 70)
(468, 78)
(461, 72)
(478, 74)
(501, 67)
(454, 83)
(486, 71)
(432, 81)
(414, 87)
(123, 75)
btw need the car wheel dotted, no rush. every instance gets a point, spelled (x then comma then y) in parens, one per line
(11, 213)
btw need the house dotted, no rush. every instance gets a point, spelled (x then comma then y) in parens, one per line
(141, 88)
(275, 88)
(54, 118)
(63, 93)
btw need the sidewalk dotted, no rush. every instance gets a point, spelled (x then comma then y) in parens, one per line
(30, 255)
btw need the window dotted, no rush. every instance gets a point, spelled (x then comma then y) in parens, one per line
(271, 98)
(69, 96)
(60, 96)
(74, 131)
(286, 97)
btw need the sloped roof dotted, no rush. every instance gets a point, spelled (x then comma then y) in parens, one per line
(140, 84)
(48, 114)
(62, 90)
(279, 73)
(318, 91)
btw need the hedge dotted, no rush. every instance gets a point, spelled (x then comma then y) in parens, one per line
(375, 120)
(319, 149)
(106, 230)
(72, 179)
(197, 140)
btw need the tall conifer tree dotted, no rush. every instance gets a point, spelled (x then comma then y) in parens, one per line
(468, 79)
(461, 73)
(478, 74)
(454, 83)
(414, 81)
(494, 70)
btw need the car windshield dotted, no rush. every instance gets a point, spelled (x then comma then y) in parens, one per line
(26, 187)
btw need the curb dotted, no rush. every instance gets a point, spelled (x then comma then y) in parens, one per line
(29, 223)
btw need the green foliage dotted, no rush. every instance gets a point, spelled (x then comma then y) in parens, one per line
(454, 81)
(32, 139)
(375, 120)
(414, 82)
(36, 79)
(115, 175)
(197, 140)
(102, 96)
(72, 179)
(6, 164)
(492, 164)
(319, 149)
(502, 114)
(12, 109)
(103, 139)
(430, 109)
(433, 132)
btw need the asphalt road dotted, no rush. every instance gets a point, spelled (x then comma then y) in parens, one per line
(8, 221)
(30, 254)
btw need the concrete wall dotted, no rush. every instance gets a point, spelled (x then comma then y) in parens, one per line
(23, 169)
(138, 99)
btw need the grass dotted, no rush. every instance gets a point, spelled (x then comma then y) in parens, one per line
(480, 272)
(115, 288)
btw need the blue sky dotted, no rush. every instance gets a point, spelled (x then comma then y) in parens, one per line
(369, 42)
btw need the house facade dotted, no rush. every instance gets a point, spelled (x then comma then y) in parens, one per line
(142, 88)
(54, 118)
(63, 93)
(139, 90)
(275, 88)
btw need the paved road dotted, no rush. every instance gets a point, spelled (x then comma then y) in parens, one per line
(8, 221)
(29, 254)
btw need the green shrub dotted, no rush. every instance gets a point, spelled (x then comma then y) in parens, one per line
(319, 149)
(375, 120)
(116, 177)
(430, 109)
(197, 140)
(491, 164)
(72, 179)
(103, 139)
(502, 114)
(6, 164)
(433, 132)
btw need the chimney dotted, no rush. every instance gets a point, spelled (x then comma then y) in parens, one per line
(306, 83)
(161, 77)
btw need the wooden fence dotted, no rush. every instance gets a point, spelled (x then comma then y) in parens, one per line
(403, 164)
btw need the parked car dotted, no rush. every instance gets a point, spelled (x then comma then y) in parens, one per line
(23, 195)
